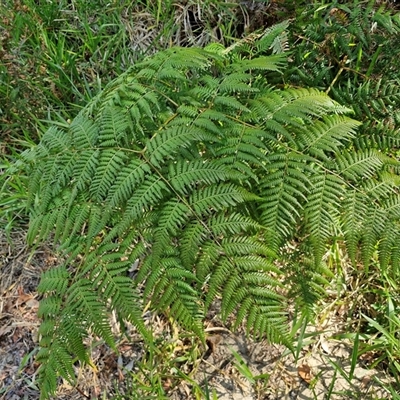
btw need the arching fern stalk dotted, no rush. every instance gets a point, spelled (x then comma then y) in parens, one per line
(193, 166)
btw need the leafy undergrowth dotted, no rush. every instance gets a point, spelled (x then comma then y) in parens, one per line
(56, 56)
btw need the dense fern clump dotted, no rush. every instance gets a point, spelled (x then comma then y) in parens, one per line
(347, 50)
(193, 168)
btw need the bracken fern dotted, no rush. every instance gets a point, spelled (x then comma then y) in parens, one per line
(194, 167)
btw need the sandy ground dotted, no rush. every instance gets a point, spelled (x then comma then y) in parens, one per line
(234, 366)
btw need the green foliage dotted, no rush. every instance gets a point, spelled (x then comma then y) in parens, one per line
(195, 167)
(56, 56)
(347, 50)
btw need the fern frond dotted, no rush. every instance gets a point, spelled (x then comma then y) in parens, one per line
(270, 63)
(232, 223)
(310, 281)
(327, 137)
(355, 165)
(267, 319)
(173, 216)
(284, 190)
(85, 167)
(83, 301)
(374, 226)
(113, 126)
(129, 177)
(110, 163)
(243, 150)
(55, 279)
(146, 195)
(170, 141)
(354, 209)
(388, 246)
(184, 176)
(273, 38)
(230, 102)
(174, 290)
(195, 168)
(237, 83)
(322, 210)
(55, 140)
(287, 105)
(77, 217)
(216, 197)
(193, 236)
(84, 132)
(53, 176)
(54, 360)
